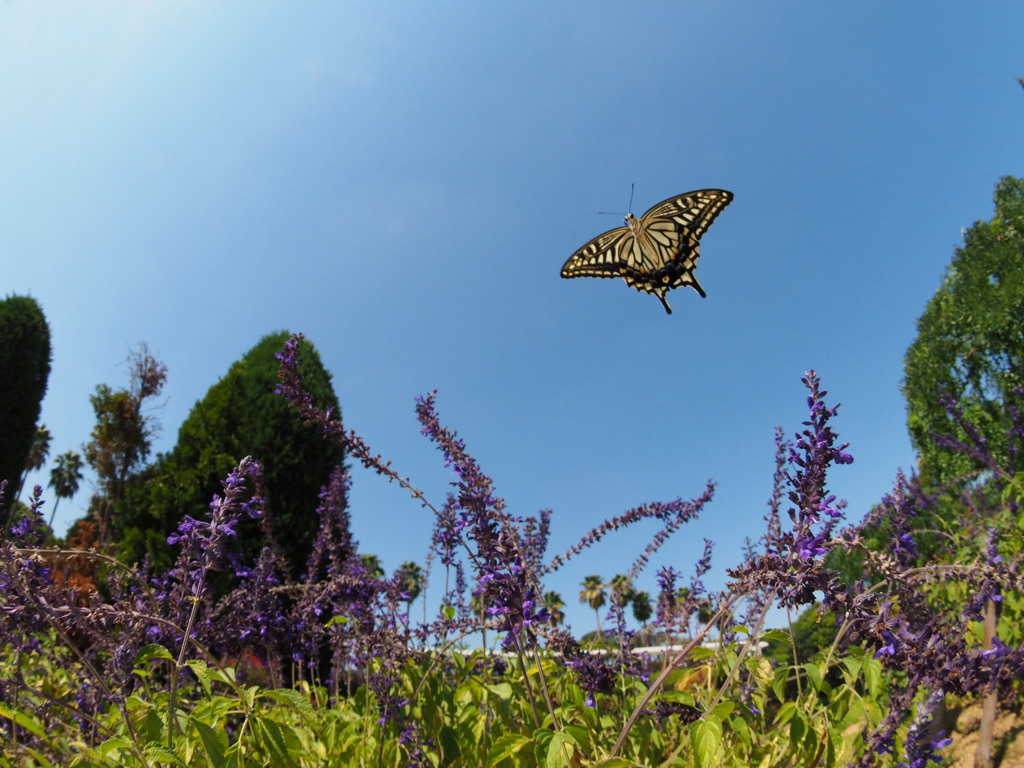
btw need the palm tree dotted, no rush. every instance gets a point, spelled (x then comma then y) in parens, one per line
(373, 567)
(554, 603)
(593, 593)
(684, 596)
(622, 590)
(642, 608)
(412, 582)
(64, 478)
(479, 609)
(37, 453)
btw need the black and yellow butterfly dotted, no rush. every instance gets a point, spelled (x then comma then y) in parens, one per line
(656, 252)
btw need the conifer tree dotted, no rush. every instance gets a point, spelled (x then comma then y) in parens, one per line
(25, 357)
(241, 415)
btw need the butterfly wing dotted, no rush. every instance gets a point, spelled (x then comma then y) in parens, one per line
(669, 237)
(694, 210)
(658, 251)
(602, 256)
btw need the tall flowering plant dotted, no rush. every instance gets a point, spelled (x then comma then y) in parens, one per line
(330, 668)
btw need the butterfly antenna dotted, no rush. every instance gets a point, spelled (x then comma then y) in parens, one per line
(630, 209)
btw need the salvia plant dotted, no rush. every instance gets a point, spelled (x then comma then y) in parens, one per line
(329, 669)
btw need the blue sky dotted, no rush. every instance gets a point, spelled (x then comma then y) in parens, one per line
(402, 181)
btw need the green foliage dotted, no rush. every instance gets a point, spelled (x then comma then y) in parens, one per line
(65, 477)
(554, 603)
(811, 632)
(25, 356)
(240, 416)
(969, 344)
(461, 711)
(122, 437)
(642, 606)
(40, 449)
(595, 594)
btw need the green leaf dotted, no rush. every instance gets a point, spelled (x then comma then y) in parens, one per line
(577, 733)
(215, 742)
(291, 698)
(502, 690)
(24, 720)
(213, 710)
(723, 709)
(158, 752)
(249, 695)
(153, 727)
(278, 739)
(873, 676)
(799, 728)
(113, 744)
(451, 748)
(833, 746)
(39, 758)
(226, 675)
(813, 674)
(786, 713)
(472, 724)
(778, 635)
(202, 673)
(561, 751)
(761, 670)
(506, 746)
(541, 739)
(467, 694)
(679, 697)
(851, 670)
(779, 685)
(739, 728)
(700, 653)
(153, 651)
(706, 740)
(615, 762)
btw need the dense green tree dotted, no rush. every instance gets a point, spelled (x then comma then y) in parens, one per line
(25, 356)
(970, 342)
(969, 352)
(241, 415)
(122, 438)
(970, 348)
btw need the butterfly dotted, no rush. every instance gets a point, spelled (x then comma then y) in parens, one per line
(656, 252)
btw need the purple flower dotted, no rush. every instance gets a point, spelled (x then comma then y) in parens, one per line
(919, 750)
(594, 675)
(412, 739)
(810, 547)
(500, 551)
